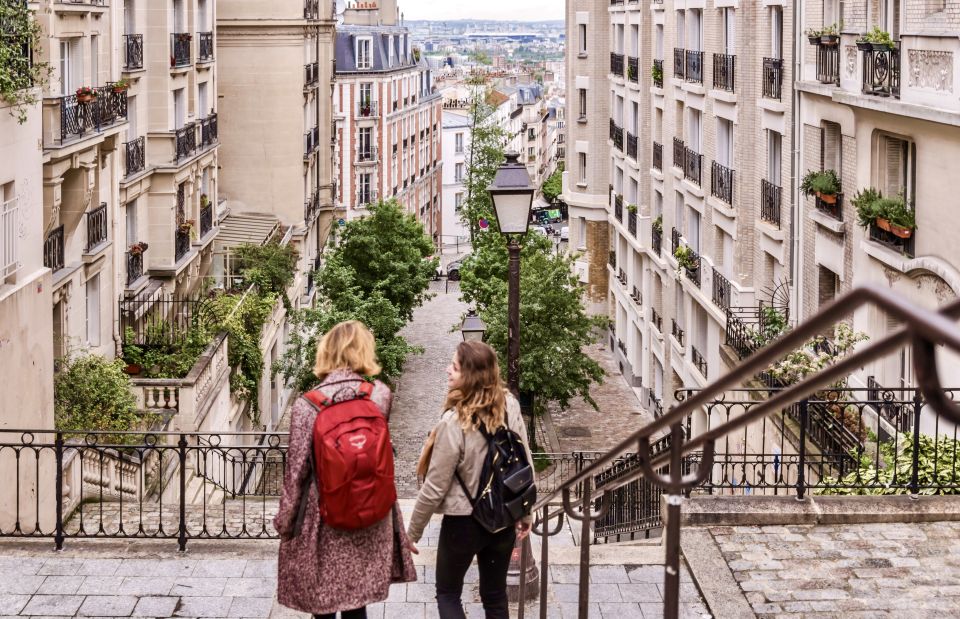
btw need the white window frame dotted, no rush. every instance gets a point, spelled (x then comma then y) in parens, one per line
(582, 36)
(363, 51)
(94, 335)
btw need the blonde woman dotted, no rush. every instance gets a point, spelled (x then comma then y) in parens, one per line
(325, 570)
(476, 395)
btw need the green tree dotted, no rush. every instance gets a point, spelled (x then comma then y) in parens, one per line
(92, 393)
(487, 142)
(20, 39)
(271, 266)
(553, 186)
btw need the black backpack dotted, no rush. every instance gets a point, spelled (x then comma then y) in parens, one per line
(507, 492)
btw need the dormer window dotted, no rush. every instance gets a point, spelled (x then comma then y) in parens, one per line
(390, 52)
(364, 55)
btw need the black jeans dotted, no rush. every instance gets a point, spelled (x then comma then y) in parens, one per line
(462, 539)
(357, 613)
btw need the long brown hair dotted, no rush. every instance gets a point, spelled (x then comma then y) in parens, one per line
(479, 396)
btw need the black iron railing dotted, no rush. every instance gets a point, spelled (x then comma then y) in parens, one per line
(96, 226)
(674, 240)
(632, 221)
(656, 240)
(699, 361)
(134, 266)
(53, 257)
(206, 219)
(692, 267)
(658, 156)
(636, 296)
(132, 51)
(180, 43)
(311, 141)
(616, 64)
(724, 66)
(616, 134)
(311, 9)
(209, 132)
(657, 319)
(721, 290)
(618, 207)
(897, 243)
(693, 71)
(828, 64)
(631, 145)
(658, 73)
(368, 196)
(186, 141)
(633, 69)
(205, 46)
(679, 62)
(772, 78)
(148, 321)
(750, 328)
(770, 196)
(831, 205)
(311, 74)
(692, 166)
(181, 242)
(721, 182)
(135, 155)
(367, 153)
(881, 71)
(612, 259)
(368, 109)
(676, 331)
(80, 116)
(678, 151)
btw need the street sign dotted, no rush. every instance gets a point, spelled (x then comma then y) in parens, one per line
(341, 222)
(484, 224)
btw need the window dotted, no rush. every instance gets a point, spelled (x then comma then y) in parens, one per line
(458, 141)
(693, 229)
(582, 160)
(582, 94)
(365, 143)
(94, 59)
(10, 231)
(776, 32)
(202, 100)
(71, 66)
(366, 93)
(896, 167)
(458, 201)
(390, 45)
(531, 134)
(695, 35)
(729, 31)
(364, 193)
(681, 31)
(582, 39)
(774, 157)
(827, 285)
(581, 232)
(458, 173)
(725, 143)
(131, 222)
(531, 154)
(179, 109)
(363, 53)
(830, 147)
(658, 50)
(693, 130)
(93, 310)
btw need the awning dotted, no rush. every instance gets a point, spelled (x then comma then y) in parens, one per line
(238, 229)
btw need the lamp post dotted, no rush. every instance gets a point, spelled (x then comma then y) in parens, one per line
(512, 196)
(473, 327)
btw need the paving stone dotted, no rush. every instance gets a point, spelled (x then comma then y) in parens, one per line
(153, 567)
(102, 585)
(12, 604)
(251, 607)
(61, 585)
(198, 587)
(64, 567)
(639, 592)
(620, 610)
(227, 568)
(143, 585)
(99, 567)
(260, 569)
(21, 566)
(570, 610)
(403, 610)
(565, 574)
(421, 592)
(156, 607)
(16, 583)
(652, 611)
(53, 605)
(108, 606)
(250, 587)
(203, 607)
(608, 574)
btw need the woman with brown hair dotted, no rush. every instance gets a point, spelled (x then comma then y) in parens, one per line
(325, 570)
(477, 402)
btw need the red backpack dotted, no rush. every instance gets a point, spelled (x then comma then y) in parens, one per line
(353, 459)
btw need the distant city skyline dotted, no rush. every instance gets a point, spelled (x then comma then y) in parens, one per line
(507, 10)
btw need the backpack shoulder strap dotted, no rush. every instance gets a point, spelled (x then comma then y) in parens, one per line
(365, 390)
(317, 399)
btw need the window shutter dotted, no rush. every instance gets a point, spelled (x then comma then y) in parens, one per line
(831, 147)
(895, 167)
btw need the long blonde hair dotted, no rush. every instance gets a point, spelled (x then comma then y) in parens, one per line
(479, 396)
(348, 345)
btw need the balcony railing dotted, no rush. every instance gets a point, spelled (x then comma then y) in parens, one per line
(366, 154)
(828, 64)
(97, 227)
(694, 66)
(612, 259)
(368, 109)
(692, 166)
(772, 78)
(881, 71)
(656, 319)
(79, 118)
(208, 130)
(180, 49)
(674, 240)
(310, 207)
(658, 73)
(633, 69)
(205, 47)
(678, 149)
(9, 237)
(679, 62)
(658, 156)
(833, 209)
(616, 134)
(656, 240)
(721, 182)
(618, 207)
(311, 141)
(749, 329)
(134, 266)
(631, 145)
(311, 74)
(186, 139)
(901, 245)
(132, 51)
(181, 242)
(770, 195)
(135, 151)
(206, 219)
(366, 197)
(723, 71)
(311, 9)
(677, 332)
(632, 222)
(721, 290)
(636, 296)
(693, 271)
(616, 64)
(699, 361)
(53, 249)
(622, 277)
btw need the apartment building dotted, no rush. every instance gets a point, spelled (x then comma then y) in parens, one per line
(883, 117)
(586, 179)
(528, 128)
(456, 149)
(276, 87)
(389, 117)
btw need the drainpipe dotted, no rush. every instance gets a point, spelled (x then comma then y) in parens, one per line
(795, 222)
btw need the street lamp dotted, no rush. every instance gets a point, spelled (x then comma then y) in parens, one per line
(473, 328)
(512, 196)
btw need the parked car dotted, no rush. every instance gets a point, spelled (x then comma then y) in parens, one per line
(539, 229)
(453, 270)
(565, 233)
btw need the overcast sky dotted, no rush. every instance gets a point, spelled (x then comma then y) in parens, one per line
(521, 10)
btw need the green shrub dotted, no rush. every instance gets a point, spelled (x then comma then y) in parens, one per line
(93, 393)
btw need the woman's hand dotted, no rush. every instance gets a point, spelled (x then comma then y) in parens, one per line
(523, 529)
(412, 547)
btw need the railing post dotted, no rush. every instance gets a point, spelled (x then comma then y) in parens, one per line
(584, 597)
(182, 451)
(801, 481)
(544, 564)
(915, 467)
(58, 450)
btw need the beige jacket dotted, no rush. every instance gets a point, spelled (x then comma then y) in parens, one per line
(456, 449)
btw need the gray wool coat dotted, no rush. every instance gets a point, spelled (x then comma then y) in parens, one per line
(324, 570)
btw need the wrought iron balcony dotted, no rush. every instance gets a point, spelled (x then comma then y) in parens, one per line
(96, 227)
(693, 271)
(208, 130)
(674, 240)
(694, 66)
(134, 266)
(311, 9)
(832, 208)
(616, 64)
(636, 296)
(677, 332)
(699, 361)
(622, 277)
(82, 116)
(679, 62)
(365, 197)
(206, 219)
(633, 69)
(618, 207)
(186, 139)
(311, 141)
(658, 81)
(180, 49)
(631, 145)
(132, 52)
(656, 319)
(632, 221)
(368, 109)
(181, 242)
(205, 47)
(616, 134)
(678, 149)
(135, 151)
(770, 196)
(656, 240)
(721, 290)
(899, 244)
(311, 74)
(53, 257)
(658, 156)
(723, 71)
(828, 64)
(721, 182)
(772, 78)
(881, 71)
(692, 166)
(748, 329)
(366, 154)
(612, 259)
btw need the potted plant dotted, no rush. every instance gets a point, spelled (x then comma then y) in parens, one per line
(824, 184)
(829, 36)
(133, 355)
(657, 74)
(686, 259)
(865, 203)
(658, 224)
(185, 36)
(632, 208)
(137, 248)
(186, 226)
(121, 85)
(813, 35)
(631, 73)
(86, 94)
(887, 213)
(879, 40)
(863, 44)
(204, 200)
